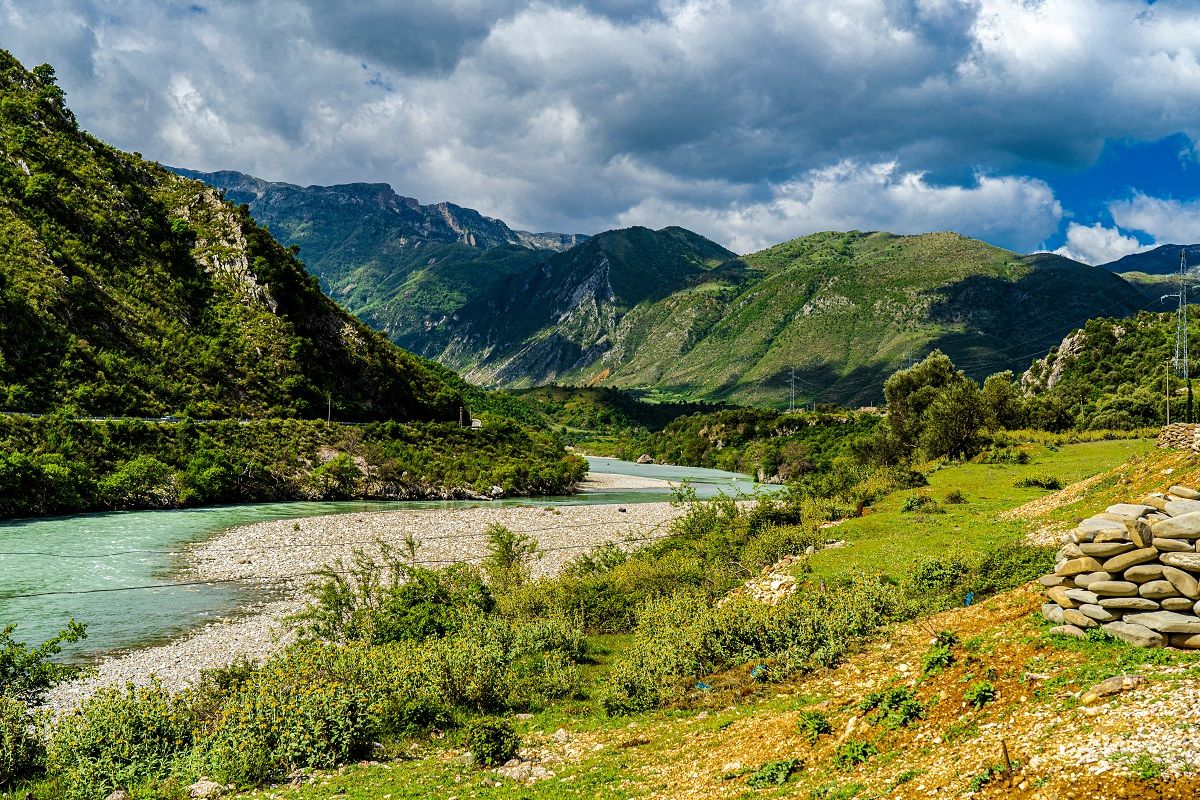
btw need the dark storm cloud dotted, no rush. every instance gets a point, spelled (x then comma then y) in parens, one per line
(752, 121)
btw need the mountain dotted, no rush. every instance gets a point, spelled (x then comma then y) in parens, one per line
(673, 311)
(128, 290)
(393, 262)
(1162, 260)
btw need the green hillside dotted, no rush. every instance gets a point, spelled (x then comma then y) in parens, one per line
(844, 309)
(1111, 373)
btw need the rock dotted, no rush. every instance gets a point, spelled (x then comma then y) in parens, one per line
(1099, 613)
(1101, 549)
(205, 788)
(1174, 545)
(1131, 509)
(1177, 508)
(1068, 630)
(1185, 526)
(1096, 524)
(1082, 581)
(1185, 641)
(561, 735)
(1126, 560)
(1053, 613)
(1113, 588)
(1188, 561)
(1079, 536)
(1180, 604)
(1164, 621)
(1140, 533)
(1157, 590)
(119, 794)
(1112, 686)
(1144, 573)
(1111, 536)
(1136, 635)
(1073, 616)
(1061, 597)
(496, 492)
(1131, 603)
(1184, 583)
(1078, 565)
(1185, 492)
(1076, 550)
(1082, 596)
(645, 458)
(1045, 580)
(1155, 502)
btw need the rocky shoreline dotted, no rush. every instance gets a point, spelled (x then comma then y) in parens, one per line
(277, 558)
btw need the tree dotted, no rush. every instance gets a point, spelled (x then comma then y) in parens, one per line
(1002, 402)
(952, 421)
(909, 392)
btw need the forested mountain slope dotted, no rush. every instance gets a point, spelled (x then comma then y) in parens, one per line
(127, 290)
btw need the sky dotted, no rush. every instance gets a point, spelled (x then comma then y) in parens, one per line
(1060, 125)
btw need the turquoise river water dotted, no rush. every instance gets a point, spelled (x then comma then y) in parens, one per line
(45, 563)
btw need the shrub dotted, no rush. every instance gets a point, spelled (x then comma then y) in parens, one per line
(932, 577)
(980, 694)
(1039, 482)
(854, 753)
(21, 751)
(509, 555)
(491, 741)
(921, 503)
(27, 674)
(936, 659)
(956, 497)
(774, 773)
(893, 708)
(1010, 566)
(120, 738)
(813, 725)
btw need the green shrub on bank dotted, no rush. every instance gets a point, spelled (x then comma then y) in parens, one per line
(26, 673)
(21, 749)
(120, 738)
(491, 741)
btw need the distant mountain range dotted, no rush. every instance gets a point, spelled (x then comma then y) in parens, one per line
(1162, 260)
(671, 311)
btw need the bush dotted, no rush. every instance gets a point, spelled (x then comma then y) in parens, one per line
(509, 555)
(956, 497)
(922, 503)
(854, 753)
(21, 750)
(892, 708)
(1039, 482)
(120, 738)
(491, 741)
(774, 773)
(27, 674)
(980, 694)
(936, 659)
(1010, 566)
(813, 725)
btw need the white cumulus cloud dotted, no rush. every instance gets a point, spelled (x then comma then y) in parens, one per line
(1169, 221)
(1097, 244)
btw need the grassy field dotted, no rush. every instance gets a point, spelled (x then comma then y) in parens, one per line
(889, 539)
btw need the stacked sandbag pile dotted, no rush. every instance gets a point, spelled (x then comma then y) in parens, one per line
(1133, 571)
(1180, 436)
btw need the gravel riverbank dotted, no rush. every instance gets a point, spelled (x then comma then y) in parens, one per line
(279, 557)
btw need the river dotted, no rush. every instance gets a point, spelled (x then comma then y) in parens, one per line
(58, 568)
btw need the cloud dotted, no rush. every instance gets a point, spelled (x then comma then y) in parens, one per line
(1166, 220)
(870, 197)
(1096, 244)
(576, 114)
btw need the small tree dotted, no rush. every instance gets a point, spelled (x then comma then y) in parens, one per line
(1002, 402)
(953, 420)
(509, 557)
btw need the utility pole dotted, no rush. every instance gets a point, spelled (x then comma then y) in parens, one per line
(329, 406)
(1167, 390)
(792, 405)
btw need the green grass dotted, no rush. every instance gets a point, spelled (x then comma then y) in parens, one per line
(889, 539)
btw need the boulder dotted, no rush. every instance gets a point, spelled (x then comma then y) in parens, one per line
(1137, 635)
(1184, 492)
(1188, 561)
(1100, 613)
(1045, 580)
(1073, 550)
(205, 789)
(1086, 564)
(1185, 526)
(1144, 573)
(1185, 584)
(1113, 588)
(1112, 686)
(1185, 641)
(1157, 590)
(645, 458)
(1097, 524)
(1177, 508)
(1086, 578)
(1140, 533)
(1181, 604)
(1126, 560)
(1073, 616)
(1173, 545)
(1052, 613)
(1060, 596)
(1133, 510)
(1111, 536)
(1130, 603)
(1082, 596)
(1156, 502)
(1068, 630)
(1164, 621)
(1098, 549)
(119, 794)
(1079, 535)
